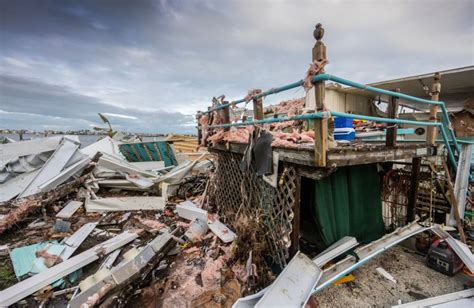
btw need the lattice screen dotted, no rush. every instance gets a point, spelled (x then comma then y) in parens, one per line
(235, 192)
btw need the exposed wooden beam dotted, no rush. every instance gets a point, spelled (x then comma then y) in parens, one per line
(392, 112)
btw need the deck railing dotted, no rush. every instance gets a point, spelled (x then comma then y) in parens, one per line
(444, 126)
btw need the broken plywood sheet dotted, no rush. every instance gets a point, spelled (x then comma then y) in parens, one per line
(69, 209)
(125, 204)
(294, 285)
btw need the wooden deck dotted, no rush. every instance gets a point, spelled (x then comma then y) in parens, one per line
(344, 155)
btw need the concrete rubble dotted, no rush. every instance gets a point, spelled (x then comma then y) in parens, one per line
(83, 227)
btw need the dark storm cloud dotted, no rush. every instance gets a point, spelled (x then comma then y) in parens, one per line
(25, 102)
(148, 56)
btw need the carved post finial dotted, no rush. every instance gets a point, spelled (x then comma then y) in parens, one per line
(318, 32)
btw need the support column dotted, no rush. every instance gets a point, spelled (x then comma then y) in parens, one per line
(392, 112)
(320, 126)
(432, 131)
(413, 196)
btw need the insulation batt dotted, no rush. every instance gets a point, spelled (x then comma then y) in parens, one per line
(315, 68)
(280, 139)
(49, 259)
(204, 122)
(291, 107)
(239, 135)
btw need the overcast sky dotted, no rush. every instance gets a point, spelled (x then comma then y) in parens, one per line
(150, 65)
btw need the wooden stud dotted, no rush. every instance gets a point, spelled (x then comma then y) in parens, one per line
(432, 131)
(392, 112)
(413, 194)
(453, 201)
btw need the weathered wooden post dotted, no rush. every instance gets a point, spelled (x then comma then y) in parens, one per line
(198, 119)
(258, 106)
(392, 112)
(320, 126)
(435, 90)
(413, 193)
(226, 116)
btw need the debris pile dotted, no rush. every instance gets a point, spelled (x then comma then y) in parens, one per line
(86, 227)
(95, 227)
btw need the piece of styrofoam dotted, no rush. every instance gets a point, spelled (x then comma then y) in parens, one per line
(188, 210)
(221, 230)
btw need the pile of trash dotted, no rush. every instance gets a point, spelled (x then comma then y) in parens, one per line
(84, 226)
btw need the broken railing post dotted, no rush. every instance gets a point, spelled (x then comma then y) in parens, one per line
(392, 112)
(435, 90)
(225, 117)
(199, 128)
(258, 106)
(320, 126)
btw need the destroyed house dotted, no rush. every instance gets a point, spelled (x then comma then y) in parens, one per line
(348, 159)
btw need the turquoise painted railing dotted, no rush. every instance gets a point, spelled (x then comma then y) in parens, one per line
(444, 126)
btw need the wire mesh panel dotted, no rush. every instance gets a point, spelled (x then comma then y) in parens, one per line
(236, 193)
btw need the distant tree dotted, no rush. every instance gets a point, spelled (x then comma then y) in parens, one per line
(109, 131)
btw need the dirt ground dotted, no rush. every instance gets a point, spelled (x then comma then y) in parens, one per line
(415, 281)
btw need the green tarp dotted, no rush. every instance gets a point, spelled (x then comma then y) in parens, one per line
(348, 202)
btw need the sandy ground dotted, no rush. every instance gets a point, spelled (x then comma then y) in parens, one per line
(415, 281)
